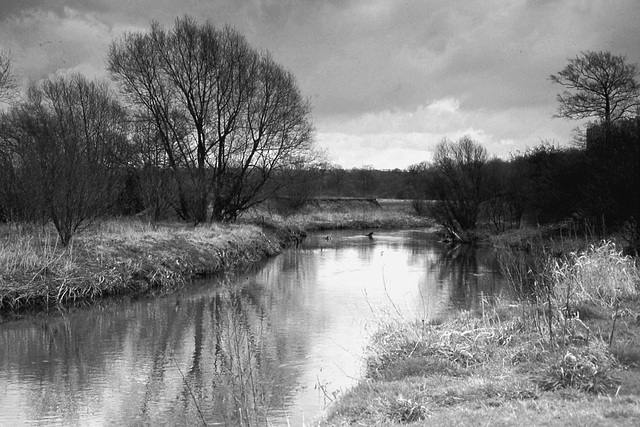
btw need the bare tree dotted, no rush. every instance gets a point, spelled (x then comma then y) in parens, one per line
(366, 180)
(417, 181)
(459, 182)
(600, 85)
(69, 140)
(336, 179)
(156, 188)
(8, 82)
(226, 115)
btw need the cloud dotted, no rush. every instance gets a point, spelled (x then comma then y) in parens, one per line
(44, 43)
(409, 72)
(397, 139)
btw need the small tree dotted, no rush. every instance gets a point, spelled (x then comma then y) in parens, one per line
(417, 178)
(503, 208)
(459, 182)
(69, 139)
(600, 85)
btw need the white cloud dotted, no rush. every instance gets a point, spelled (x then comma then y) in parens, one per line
(391, 139)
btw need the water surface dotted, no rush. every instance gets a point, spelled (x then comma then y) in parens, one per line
(273, 345)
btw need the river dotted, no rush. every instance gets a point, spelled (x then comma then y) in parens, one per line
(272, 345)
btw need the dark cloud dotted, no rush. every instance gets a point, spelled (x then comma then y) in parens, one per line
(366, 61)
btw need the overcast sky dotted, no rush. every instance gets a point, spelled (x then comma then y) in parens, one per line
(388, 79)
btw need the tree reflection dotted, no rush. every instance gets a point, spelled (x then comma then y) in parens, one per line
(179, 360)
(470, 271)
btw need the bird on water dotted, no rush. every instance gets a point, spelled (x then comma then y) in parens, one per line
(369, 235)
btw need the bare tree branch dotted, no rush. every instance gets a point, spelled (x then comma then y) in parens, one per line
(228, 116)
(8, 82)
(600, 85)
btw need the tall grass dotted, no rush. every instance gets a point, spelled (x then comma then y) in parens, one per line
(561, 294)
(123, 256)
(31, 253)
(513, 351)
(601, 275)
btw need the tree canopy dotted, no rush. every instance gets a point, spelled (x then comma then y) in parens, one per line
(226, 116)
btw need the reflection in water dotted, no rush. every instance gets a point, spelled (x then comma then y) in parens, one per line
(273, 345)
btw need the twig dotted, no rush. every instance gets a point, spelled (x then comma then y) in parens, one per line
(184, 380)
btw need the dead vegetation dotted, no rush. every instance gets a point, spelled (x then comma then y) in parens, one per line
(569, 342)
(122, 257)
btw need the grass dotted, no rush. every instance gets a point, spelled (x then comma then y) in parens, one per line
(122, 257)
(567, 357)
(349, 214)
(129, 256)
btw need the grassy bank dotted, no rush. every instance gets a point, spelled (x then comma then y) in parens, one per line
(133, 257)
(350, 214)
(122, 257)
(568, 353)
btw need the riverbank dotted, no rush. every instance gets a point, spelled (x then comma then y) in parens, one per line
(123, 257)
(569, 357)
(350, 213)
(132, 257)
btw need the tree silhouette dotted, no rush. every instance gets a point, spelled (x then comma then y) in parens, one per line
(459, 181)
(68, 139)
(600, 85)
(227, 116)
(8, 82)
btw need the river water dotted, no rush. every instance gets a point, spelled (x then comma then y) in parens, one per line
(272, 345)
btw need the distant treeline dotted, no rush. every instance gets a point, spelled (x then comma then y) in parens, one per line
(595, 183)
(205, 127)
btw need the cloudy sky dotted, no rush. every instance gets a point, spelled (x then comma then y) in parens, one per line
(388, 79)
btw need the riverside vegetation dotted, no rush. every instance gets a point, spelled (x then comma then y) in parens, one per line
(133, 257)
(122, 257)
(566, 351)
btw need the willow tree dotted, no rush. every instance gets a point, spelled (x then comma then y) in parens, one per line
(227, 116)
